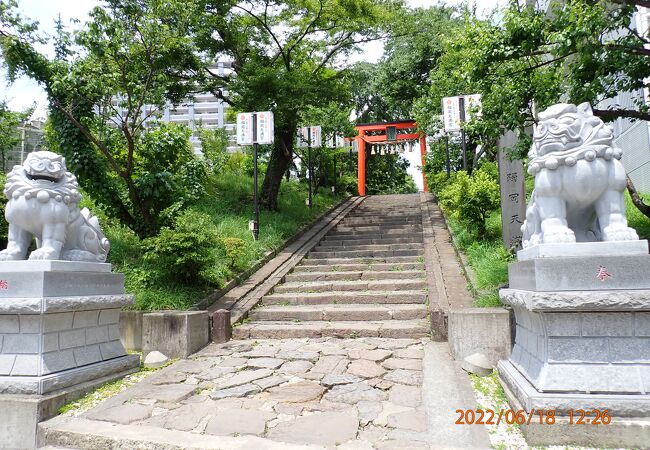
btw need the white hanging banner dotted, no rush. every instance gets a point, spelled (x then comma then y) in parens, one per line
(451, 113)
(245, 129)
(339, 141)
(265, 128)
(304, 138)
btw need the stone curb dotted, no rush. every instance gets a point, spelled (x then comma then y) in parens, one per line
(468, 330)
(438, 305)
(468, 272)
(245, 296)
(79, 432)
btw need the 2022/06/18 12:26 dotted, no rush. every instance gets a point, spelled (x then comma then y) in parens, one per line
(520, 417)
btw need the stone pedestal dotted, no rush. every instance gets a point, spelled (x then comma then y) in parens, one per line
(595, 353)
(582, 332)
(59, 333)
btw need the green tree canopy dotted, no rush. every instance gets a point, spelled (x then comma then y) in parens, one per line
(386, 91)
(9, 133)
(101, 99)
(287, 57)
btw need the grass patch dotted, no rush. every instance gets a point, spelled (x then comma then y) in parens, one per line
(107, 390)
(635, 219)
(228, 204)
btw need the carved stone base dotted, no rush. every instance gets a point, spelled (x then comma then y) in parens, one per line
(580, 346)
(530, 398)
(596, 350)
(584, 249)
(629, 427)
(49, 341)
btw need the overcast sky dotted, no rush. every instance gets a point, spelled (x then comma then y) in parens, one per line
(24, 92)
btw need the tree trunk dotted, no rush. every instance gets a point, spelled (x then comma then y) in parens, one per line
(636, 199)
(278, 164)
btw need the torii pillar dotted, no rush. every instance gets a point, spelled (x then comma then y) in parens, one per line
(361, 172)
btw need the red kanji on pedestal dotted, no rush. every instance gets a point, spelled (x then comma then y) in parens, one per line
(603, 274)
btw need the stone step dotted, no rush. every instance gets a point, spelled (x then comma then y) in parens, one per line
(373, 261)
(339, 312)
(414, 329)
(372, 241)
(364, 253)
(356, 285)
(355, 221)
(398, 267)
(395, 272)
(380, 229)
(345, 298)
(353, 246)
(386, 214)
(417, 236)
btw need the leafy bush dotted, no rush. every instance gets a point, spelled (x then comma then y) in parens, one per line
(470, 199)
(214, 145)
(236, 163)
(185, 252)
(234, 249)
(438, 181)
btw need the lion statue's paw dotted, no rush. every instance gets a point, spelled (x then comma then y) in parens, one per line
(619, 233)
(44, 253)
(9, 255)
(559, 236)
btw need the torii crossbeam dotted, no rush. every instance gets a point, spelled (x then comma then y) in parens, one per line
(386, 133)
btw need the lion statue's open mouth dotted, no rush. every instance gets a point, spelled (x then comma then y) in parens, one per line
(44, 204)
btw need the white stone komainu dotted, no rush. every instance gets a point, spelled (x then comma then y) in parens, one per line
(579, 180)
(44, 204)
(579, 290)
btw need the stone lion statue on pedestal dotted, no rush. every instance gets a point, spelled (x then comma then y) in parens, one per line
(579, 180)
(44, 204)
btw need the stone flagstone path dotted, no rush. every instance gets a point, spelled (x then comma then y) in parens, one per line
(333, 358)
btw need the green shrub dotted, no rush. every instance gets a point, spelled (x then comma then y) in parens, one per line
(185, 252)
(470, 199)
(214, 145)
(438, 181)
(234, 250)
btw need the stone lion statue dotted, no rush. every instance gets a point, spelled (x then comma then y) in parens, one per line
(44, 204)
(579, 180)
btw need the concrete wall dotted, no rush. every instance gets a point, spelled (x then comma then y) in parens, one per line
(480, 330)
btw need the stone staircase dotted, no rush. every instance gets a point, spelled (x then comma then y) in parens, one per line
(366, 278)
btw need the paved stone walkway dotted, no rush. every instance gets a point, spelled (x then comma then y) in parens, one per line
(363, 393)
(304, 391)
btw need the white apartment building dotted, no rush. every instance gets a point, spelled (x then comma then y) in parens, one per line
(203, 110)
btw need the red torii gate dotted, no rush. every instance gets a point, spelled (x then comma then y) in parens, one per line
(364, 138)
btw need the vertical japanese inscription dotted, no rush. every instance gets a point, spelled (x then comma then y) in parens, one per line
(513, 195)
